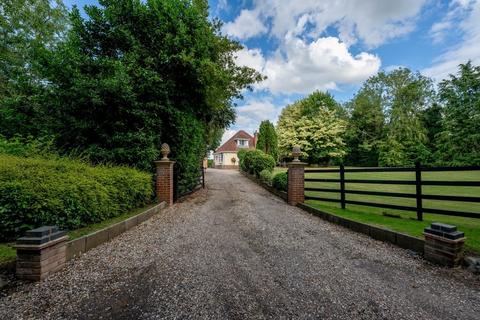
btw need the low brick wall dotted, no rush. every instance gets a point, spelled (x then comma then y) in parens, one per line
(81, 245)
(278, 193)
(396, 238)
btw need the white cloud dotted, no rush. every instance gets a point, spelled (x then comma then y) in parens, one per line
(468, 47)
(246, 25)
(301, 67)
(252, 58)
(373, 22)
(438, 29)
(255, 111)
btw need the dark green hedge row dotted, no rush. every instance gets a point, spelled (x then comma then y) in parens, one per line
(255, 161)
(66, 193)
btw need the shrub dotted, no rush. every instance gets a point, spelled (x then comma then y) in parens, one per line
(262, 161)
(280, 181)
(241, 156)
(266, 176)
(211, 164)
(255, 161)
(28, 147)
(66, 193)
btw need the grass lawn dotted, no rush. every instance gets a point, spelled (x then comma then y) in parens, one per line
(406, 222)
(8, 253)
(278, 170)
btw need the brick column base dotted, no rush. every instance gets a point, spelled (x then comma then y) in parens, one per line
(40, 253)
(164, 185)
(444, 244)
(296, 182)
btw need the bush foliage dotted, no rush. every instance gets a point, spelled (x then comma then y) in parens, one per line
(255, 161)
(280, 181)
(114, 82)
(266, 176)
(66, 193)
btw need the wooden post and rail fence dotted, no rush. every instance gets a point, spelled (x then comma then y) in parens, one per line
(418, 182)
(443, 243)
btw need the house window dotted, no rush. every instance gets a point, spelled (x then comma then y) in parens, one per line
(219, 158)
(241, 143)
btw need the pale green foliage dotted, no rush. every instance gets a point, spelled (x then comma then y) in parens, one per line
(315, 125)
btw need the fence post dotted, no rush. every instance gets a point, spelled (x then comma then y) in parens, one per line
(203, 177)
(342, 185)
(418, 187)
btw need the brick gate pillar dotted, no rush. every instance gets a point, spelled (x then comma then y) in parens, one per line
(164, 185)
(296, 179)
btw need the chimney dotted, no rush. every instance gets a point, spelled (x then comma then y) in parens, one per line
(255, 138)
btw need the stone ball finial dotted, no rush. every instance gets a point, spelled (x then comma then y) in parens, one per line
(296, 152)
(165, 150)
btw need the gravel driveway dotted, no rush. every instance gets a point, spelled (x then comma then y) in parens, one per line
(234, 251)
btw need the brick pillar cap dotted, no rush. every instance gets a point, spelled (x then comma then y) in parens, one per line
(296, 164)
(160, 162)
(439, 238)
(41, 246)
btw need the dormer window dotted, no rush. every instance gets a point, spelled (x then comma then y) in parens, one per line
(242, 143)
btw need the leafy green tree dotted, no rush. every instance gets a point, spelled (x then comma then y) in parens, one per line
(29, 29)
(214, 137)
(315, 124)
(267, 139)
(459, 143)
(135, 74)
(403, 97)
(432, 119)
(366, 126)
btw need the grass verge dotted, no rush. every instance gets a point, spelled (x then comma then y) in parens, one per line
(8, 253)
(405, 222)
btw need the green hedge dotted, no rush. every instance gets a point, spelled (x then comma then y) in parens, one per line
(266, 177)
(256, 161)
(66, 193)
(280, 181)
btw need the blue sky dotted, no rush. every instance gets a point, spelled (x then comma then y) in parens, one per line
(335, 45)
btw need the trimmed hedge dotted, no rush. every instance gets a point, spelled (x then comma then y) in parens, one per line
(266, 177)
(280, 181)
(67, 193)
(256, 161)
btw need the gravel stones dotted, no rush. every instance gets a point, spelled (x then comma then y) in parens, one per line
(235, 251)
(473, 264)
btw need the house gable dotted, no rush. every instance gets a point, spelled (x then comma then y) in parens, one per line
(236, 141)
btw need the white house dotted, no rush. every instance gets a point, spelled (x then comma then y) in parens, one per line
(225, 157)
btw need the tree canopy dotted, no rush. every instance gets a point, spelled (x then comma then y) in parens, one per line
(386, 122)
(459, 142)
(315, 124)
(123, 79)
(267, 139)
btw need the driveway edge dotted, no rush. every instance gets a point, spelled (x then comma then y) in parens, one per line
(399, 239)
